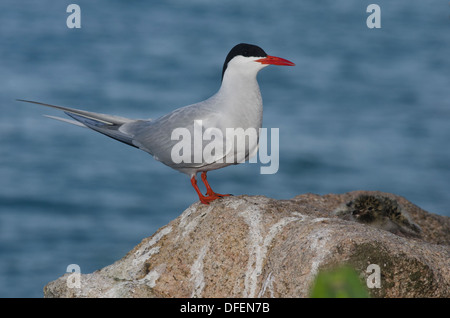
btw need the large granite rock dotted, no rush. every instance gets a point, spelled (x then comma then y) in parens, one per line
(260, 247)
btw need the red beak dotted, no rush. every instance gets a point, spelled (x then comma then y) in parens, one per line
(274, 61)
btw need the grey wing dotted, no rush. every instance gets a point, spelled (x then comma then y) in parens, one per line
(155, 137)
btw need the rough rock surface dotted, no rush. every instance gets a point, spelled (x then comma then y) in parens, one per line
(260, 247)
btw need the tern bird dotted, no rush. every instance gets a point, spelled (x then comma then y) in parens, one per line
(237, 104)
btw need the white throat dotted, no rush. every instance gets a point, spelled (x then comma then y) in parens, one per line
(239, 96)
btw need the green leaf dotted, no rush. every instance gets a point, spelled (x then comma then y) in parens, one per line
(341, 282)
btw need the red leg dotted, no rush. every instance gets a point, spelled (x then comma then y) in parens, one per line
(203, 199)
(209, 191)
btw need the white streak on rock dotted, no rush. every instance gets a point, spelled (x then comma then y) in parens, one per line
(185, 215)
(235, 203)
(152, 276)
(143, 254)
(301, 217)
(258, 245)
(197, 273)
(190, 226)
(318, 239)
(319, 220)
(268, 283)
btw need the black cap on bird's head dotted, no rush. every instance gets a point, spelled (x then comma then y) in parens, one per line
(250, 50)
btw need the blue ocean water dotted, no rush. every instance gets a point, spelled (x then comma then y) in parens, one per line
(363, 109)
